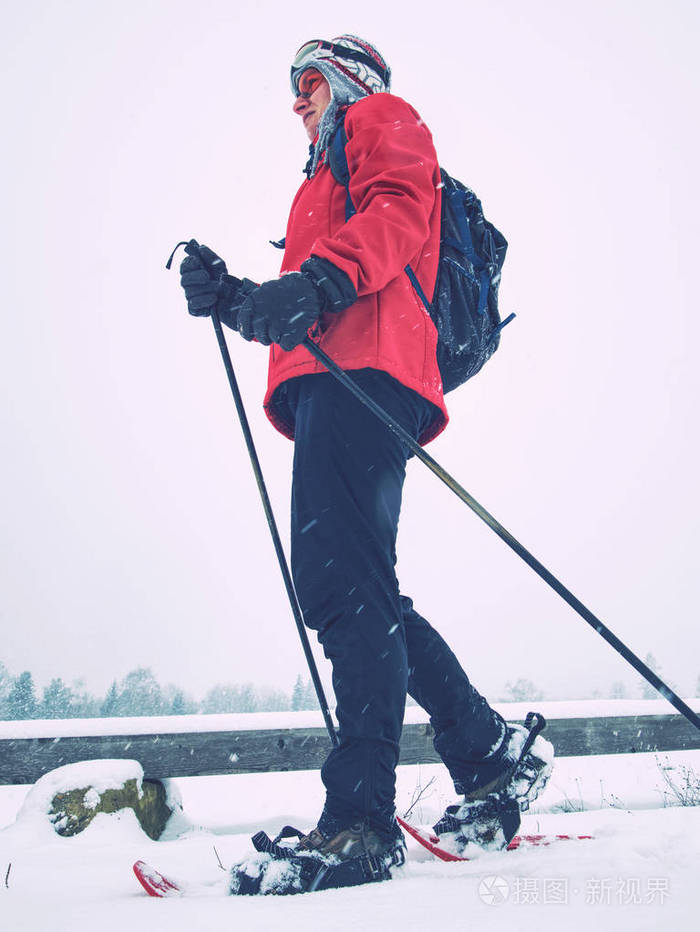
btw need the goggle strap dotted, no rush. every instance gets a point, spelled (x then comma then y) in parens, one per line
(352, 55)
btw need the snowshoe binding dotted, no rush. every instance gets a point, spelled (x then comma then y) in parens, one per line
(353, 856)
(489, 817)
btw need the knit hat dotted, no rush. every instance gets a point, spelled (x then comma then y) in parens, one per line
(353, 68)
(356, 60)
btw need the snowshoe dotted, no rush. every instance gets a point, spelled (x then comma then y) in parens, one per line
(489, 817)
(353, 856)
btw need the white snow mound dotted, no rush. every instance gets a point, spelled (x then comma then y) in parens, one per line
(97, 775)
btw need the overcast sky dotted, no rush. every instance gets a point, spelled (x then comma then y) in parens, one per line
(132, 531)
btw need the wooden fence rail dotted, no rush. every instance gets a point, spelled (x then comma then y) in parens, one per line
(24, 759)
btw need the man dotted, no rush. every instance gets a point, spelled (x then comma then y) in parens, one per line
(343, 281)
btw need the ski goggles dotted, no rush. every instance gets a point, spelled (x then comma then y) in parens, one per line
(318, 49)
(308, 80)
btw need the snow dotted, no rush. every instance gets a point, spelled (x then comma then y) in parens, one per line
(98, 775)
(639, 873)
(257, 721)
(162, 725)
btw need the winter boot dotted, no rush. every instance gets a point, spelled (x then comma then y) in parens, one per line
(489, 817)
(353, 856)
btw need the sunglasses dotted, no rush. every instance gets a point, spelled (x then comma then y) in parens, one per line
(314, 50)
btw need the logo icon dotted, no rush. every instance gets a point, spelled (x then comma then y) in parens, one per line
(494, 890)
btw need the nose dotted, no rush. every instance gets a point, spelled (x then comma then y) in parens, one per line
(300, 104)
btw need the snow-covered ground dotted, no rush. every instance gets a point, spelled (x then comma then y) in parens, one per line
(640, 872)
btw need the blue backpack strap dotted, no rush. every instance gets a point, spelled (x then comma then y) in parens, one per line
(413, 278)
(338, 162)
(459, 200)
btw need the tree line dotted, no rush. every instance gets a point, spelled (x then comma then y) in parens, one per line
(140, 693)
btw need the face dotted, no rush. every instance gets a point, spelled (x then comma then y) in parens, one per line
(314, 96)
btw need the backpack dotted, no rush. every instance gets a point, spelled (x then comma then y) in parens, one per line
(465, 303)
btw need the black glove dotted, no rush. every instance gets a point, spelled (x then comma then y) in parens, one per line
(281, 311)
(207, 283)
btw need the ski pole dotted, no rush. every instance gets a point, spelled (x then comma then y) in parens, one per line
(505, 535)
(267, 507)
(192, 249)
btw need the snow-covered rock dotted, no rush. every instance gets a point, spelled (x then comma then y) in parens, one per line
(70, 797)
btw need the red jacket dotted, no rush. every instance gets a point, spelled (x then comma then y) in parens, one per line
(395, 188)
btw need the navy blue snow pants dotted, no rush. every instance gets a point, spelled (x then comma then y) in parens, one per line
(348, 477)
